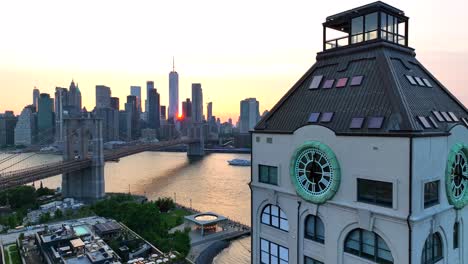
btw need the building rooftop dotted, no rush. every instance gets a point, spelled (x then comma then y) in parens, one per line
(374, 87)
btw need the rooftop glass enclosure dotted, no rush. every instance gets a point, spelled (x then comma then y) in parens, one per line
(373, 22)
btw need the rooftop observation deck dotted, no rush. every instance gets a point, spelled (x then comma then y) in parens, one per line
(374, 22)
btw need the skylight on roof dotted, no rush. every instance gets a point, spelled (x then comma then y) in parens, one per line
(326, 117)
(427, 82)
(424, 122)
(433, 122)
(453, 116)
(341, 82)
(313, 118)
(356, 80)
(375, 122)
(356, 122)
(446, 116)
(411, 79)
(316, 80)
(465, 121)
(328, 84)
(419, 81)
(438, 116)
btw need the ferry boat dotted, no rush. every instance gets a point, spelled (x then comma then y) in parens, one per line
(239, 162)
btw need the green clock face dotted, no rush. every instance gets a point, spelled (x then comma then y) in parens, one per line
(315, 172)
(457, 176)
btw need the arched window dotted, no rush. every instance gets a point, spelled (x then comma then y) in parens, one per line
(368, 245)
(432, 252)
(314, 229)
(273, 216)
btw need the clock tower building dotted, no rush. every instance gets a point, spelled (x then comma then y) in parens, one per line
(364, 160)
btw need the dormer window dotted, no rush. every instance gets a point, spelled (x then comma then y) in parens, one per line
(373, 22)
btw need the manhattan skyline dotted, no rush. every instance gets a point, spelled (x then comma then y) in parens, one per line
(234, 57)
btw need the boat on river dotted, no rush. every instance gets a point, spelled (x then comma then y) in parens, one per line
(239, 162)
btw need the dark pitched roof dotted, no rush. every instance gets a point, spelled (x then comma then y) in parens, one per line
(385, 92)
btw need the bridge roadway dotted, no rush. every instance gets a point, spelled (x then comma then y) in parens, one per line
(22, 176)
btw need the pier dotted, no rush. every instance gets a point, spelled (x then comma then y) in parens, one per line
(210, 233)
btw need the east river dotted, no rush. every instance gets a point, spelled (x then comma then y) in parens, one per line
(208, 184)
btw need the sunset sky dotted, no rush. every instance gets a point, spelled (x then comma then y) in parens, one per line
(236, 49)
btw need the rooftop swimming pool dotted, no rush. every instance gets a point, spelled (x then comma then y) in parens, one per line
(80, 230)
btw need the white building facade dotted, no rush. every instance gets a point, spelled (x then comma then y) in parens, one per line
(359, 163)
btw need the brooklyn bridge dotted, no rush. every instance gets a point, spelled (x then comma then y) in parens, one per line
(84, 158)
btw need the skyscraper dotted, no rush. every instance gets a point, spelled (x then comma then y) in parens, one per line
(173, 93)
(103, 95)
(134, 116)
(7, 128)
(73, 105)
(136, 91)
(163, 112)
(209, 111)
(45, 117)
(109, 115)
(187, 109)
(61, 100)
(149, 86)
(25, 130)
(249, 114)
(115, 103)
(154, 120)
(35, 97)
(197, 103)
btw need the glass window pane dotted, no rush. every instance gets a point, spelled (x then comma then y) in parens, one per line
(274, 175)
(284, 224)
(375, 122)
(371, 22)
(316, 82)
(341, 82)
(274, 260)
(356, 122)
(352, 242)
(356, 80)
(263, 171)
(274, 249)
(383, 18)
(283, 262)
(390, 24)
(264, 245)
(275, 221)
(284, 254)
(328, 84)
(274, 210)
(371, 35)
(402, 29)
(357, 25)
(313, 118)
(265, 258)
(368, 243)
(320, 228)
(326, 117)
(266, 219)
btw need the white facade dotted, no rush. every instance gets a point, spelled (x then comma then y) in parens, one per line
(388, 159)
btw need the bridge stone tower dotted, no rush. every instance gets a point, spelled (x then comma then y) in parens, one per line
(198, 131)
(81, 136)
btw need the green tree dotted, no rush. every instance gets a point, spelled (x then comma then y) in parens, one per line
(58, 214)
(165, 204)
